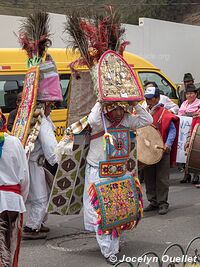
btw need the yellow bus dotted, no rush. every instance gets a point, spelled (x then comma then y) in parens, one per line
(13, 69)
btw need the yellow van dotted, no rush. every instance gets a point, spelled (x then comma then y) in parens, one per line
(13, 69)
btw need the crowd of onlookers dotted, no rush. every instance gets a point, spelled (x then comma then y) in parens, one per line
(166, 119)
(188, 104)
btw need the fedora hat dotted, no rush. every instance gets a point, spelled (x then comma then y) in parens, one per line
(188, 77)
(191, 88)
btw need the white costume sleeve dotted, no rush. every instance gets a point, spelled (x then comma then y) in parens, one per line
(48, 141)
(94, 118)
(141, 119)
(169, 104)
(24, 179)
(144, 104)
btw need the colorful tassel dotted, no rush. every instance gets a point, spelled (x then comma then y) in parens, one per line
(2, 139)
(115, 232)
(107, 138)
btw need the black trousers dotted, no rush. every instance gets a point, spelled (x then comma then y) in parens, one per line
(156, 178)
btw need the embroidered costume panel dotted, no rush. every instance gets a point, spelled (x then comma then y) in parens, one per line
(66, 196)
(26, 108)
(116, 202)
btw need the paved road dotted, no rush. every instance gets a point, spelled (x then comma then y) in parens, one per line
(68, 244)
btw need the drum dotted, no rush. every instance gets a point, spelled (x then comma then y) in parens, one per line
(193, 156)
(150, 146)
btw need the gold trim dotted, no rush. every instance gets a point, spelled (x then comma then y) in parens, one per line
(27, 126)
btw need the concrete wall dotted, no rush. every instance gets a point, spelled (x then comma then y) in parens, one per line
(173, 47)
(10, 27)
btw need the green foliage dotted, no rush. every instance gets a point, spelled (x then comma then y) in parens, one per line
(159, 9)
(131, 10)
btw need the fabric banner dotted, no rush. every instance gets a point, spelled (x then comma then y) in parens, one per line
(116, 202)
(49, 84)
(26, 108)
(184, 128)
(66, 197)
(82, 95)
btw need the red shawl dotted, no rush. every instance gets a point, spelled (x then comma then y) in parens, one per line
(162, 119)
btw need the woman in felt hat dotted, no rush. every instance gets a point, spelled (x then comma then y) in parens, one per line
(188, 108)
(190, 105)
(195, 121)
(187, 80)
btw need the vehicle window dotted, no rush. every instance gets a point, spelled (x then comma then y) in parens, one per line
(165, 87)
(64, 83)
(11, 85)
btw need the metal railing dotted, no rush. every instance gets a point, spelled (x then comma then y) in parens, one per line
(190, 257)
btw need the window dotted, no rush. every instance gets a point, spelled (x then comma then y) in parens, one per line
(11, 85)
(165, 87)
(64, 83)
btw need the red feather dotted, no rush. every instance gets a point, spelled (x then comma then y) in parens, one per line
(122, 47)
(96, 36)
(25, 44)
(89, 30)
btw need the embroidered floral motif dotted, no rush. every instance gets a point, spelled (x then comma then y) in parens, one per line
(26, 108)
(112, 168)
(121, 144)
(118, 203)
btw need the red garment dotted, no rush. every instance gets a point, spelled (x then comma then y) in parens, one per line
(11, 188)
(194, 122)
(161, 120)
(2, 116)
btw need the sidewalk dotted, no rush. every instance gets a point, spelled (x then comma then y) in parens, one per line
(68, 244)
(73, 224)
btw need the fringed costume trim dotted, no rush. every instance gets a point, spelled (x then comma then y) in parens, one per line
(118, 204)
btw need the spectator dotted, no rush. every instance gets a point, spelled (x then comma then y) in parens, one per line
(156, 176)
(188, 80)
(195, 120)
(167, 103)
(190, 105)
(188, 108)
(165, 100)
(13, 113)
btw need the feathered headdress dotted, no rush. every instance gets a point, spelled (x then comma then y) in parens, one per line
(41, 82)
(92, 37)
(34, 36)
(101, 45)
